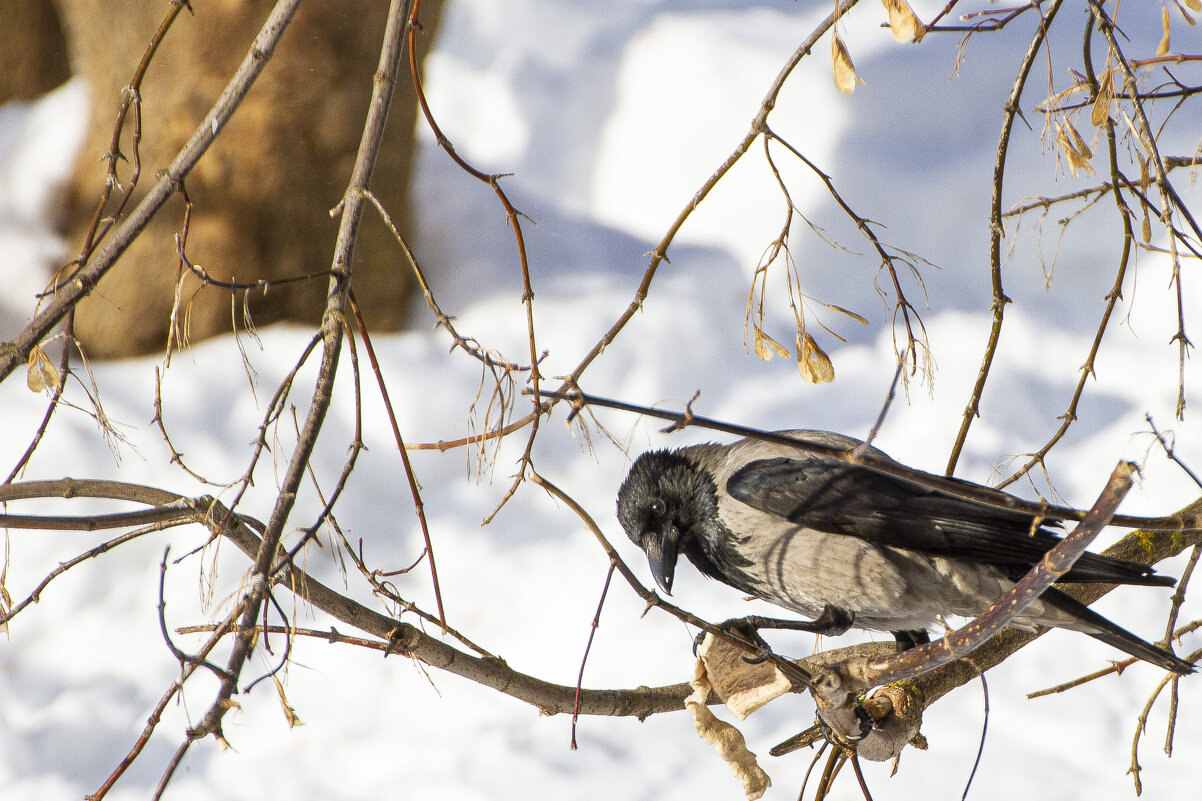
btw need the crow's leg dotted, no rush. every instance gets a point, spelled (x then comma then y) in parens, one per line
(832, 622)
(910, 639)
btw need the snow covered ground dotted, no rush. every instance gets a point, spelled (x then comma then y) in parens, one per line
(610, 116)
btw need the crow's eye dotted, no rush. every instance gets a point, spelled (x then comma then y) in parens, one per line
(658, 508)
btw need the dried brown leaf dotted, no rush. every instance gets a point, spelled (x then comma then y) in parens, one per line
(725, 738)
(1076, 161)
(289, 713)
(1082, 146)
(812, 362)
(6, 604)
(1194, 5)
(1145, 180)
(42, 374)
(1101, 104)
(848, 312)
(845, 72)
(765, 346)
(1133, 128)
(1162, 49)
(904, 23)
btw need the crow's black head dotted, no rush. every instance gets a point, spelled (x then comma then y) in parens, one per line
(662, 503)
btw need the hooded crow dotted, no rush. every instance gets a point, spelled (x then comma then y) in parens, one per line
(843, 544)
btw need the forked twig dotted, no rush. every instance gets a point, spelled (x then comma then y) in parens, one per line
(513, 216)
(418, 506)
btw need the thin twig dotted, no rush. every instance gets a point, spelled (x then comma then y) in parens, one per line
(609, 574)
(952, 487)
(414, 491)
(1010, 112)
(64, 364)
(1086, 371)
(1168, 194)
(513, 216)
(35, 594)
(758, 126)
(333, 321)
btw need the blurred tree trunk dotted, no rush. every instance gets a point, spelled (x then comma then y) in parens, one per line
(262, 194)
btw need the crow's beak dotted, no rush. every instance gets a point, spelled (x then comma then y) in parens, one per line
(661, 554)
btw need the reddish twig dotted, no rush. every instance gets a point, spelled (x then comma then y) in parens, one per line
(418, 506)
(609, 574)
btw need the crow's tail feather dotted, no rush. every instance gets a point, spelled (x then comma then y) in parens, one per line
(1102, 629)
(1096, 568)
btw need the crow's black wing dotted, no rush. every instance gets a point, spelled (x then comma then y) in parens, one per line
(839, 498)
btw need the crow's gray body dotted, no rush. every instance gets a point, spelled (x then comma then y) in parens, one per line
(811, 533)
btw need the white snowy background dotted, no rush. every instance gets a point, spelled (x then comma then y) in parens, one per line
(610, 116)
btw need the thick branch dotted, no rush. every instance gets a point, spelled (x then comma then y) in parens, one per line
(494, 673)
(1138, 545)
(552, 698)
